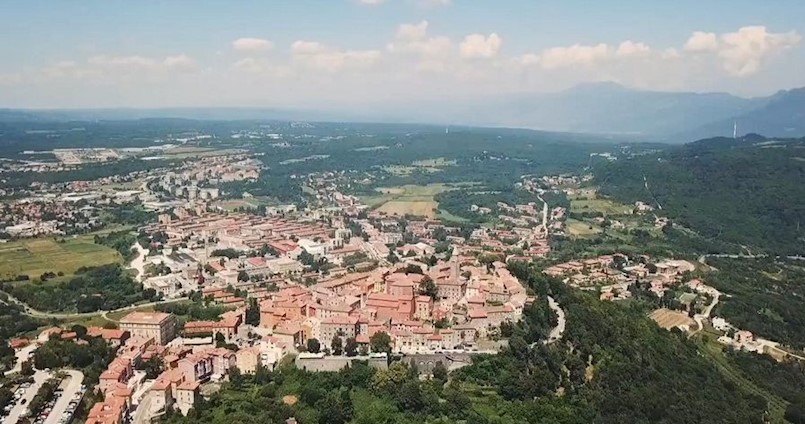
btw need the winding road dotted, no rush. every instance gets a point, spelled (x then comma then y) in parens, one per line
(39, 314)
(559, 330)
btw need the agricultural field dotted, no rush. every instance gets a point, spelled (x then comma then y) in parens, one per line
(668, 319)
(34, 257)
(590, 202)
(407, 199)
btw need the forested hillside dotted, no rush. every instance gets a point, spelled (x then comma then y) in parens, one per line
(748, 191)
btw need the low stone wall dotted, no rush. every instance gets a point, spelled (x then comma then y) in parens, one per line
(336, 363)
(426, 361)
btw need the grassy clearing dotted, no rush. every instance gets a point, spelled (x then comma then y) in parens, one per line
(407, 199)
(581, 229)
(417, 208)
(447, 216)
(435, 162)
(591, 203)
(429, 166)
(117, 316)
(34, 257)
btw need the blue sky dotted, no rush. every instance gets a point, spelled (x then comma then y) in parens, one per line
(361, 53)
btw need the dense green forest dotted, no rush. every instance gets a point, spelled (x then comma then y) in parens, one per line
(765, 296)
(613, 366)
(91, 289)
(747, 191)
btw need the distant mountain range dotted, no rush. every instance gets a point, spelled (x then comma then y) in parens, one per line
(610, 108)
(600, 108)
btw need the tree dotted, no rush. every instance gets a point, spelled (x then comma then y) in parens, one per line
(152, 367)
(337, 345)
(351, 347)
(439, 371)
(313, 346)
(392, 258)
(243, 275)
(79, 330)
(380, 342)
(253, 313)
(27, 368)
(220, 340)
(428, 288)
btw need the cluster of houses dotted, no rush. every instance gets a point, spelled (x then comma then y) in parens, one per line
(613, 274)
(200, 179)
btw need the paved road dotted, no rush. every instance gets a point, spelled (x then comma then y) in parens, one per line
(71, 386)
(39, 378)
(22, 355)
(544, 213)
(559, 330)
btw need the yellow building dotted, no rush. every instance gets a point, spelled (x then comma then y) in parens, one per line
(157, 325)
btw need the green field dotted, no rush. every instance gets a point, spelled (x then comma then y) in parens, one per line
(426, 165)
(605, 206)
(34, 257)
(407, 199)
(581, 229)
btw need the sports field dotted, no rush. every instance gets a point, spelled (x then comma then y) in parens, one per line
(33, 257)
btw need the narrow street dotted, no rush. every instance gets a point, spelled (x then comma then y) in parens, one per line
(558, 331)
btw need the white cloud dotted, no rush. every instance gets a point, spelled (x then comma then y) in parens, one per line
(480, 46)
(670, 53)
(577, 54)
(180, 62)
(248, 44)
(630, 48)
(110, 68)
(138, 63)
(249, 64)
(701, 41)
(313, 54)
(434, 3)
(413, 38)
(743, 51)
(10, 79)
(301, 47)
(370, 2)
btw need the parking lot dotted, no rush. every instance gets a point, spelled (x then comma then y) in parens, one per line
(67, 399)
(23, 395)
(59, 409)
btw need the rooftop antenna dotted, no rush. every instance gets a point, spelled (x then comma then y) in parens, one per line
(735, 130)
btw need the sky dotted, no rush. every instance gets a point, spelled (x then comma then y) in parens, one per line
(364, 54)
